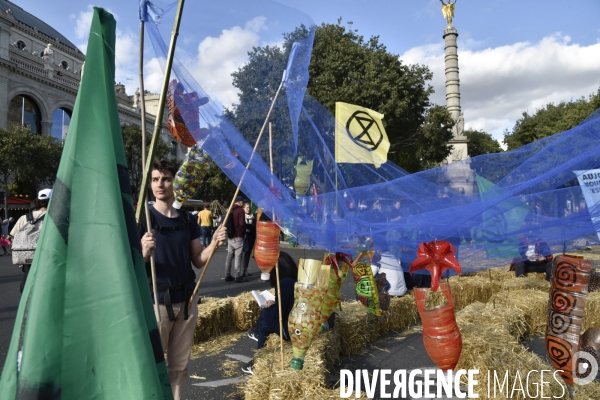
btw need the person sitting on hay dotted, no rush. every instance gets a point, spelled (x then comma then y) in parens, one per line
(268, 321)
(535, 257)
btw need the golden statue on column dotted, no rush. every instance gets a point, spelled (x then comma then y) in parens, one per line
(448, 10)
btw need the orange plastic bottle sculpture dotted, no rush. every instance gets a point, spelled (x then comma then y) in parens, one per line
(304, 322)
(183, 118)
(565, 316)
(266, 247)
(441, 336)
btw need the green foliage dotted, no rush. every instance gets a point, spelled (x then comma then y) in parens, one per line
(481, 143)
(27, 160)
(549, 120)
(345, 67)
(216, 186)
(132, 141)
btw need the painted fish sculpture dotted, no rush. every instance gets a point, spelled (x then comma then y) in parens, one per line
(441, 335)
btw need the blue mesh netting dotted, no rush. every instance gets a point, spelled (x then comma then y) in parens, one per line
(492, 200)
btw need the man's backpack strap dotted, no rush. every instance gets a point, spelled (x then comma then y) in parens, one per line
(158, 228)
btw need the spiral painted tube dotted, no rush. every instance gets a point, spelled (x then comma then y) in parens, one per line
(266, 247)
(441, 335)
(570, 279)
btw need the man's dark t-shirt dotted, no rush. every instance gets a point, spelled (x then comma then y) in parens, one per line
(172, 254)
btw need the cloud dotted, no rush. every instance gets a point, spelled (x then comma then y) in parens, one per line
(126, 48)
(218, 57)
(499, 84)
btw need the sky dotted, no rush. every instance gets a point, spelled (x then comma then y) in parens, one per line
(514, 56)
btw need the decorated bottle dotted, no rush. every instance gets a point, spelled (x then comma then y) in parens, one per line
(305, 318)
(190, 175)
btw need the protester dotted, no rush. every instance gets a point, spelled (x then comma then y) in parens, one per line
(205, 220)
(388, 264)
(268, 321)
(175, 241)
(5, 224)
(236, 230)
(535, 257)
(249, 239)
(35, 216)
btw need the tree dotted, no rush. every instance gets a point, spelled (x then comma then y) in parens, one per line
(27, 160)
(346, 67)
(481, 143)
(132, 141)
(550, 119)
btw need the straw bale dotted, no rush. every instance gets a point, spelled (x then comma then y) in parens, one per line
(592, 311)
(358, 327)
(486, 319)
(214, 317)
(532, 281)
(587, 392)
(471, 289)
(501, 360)
(245, 311)
(401, 314)
(270, 382)
(498, 274)
(216, 344)
(533, 304)
(586, 255)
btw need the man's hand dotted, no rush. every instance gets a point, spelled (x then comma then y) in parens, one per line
(220, 235)
(269, 303)
(148, 244)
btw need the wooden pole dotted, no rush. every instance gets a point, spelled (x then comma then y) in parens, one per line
(147, 211)
(237, 190)
(276, 264)
(160, 110)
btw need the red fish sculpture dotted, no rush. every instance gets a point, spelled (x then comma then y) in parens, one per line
(441, 335)
(435, 257)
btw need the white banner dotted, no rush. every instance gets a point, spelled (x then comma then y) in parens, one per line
(589, 181)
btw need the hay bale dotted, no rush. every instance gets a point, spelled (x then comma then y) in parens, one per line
(494, 346)
(497, 274)
(533, 304)
(270, 382)
(589, 391)
(471, 289)
(402, 314)
(500, 360)
(592, 311)
(358, 327)
(245, 311)
(532, 281)
(214, 317)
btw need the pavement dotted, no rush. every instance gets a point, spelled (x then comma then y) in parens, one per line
(210, 377)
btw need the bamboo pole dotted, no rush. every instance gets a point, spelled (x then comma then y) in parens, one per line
(147, 210)
(277, 263)
(160, 109)
(237, 190)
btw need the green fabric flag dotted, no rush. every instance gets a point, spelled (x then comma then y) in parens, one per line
(85, 327)
(498, 222)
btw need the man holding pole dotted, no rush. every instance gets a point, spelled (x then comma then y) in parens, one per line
(175, 241)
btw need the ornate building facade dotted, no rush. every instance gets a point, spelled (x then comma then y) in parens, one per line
(40, 71)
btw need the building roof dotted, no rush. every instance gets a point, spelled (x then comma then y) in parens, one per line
(34, 22)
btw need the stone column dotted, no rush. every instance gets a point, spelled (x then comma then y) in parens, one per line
(4, 42)
(459, 141)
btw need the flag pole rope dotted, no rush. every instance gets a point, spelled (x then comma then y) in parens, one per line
(160, 110)
(146, 209)
(237, 190)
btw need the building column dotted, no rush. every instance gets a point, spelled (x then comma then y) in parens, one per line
(3, 100)
(46, 127)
